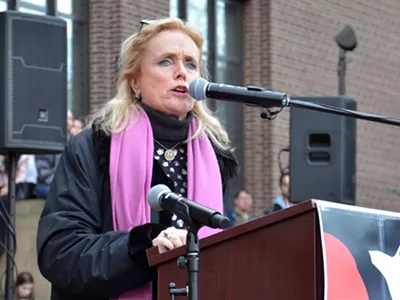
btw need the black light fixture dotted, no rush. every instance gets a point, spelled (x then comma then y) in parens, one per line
(347, 41)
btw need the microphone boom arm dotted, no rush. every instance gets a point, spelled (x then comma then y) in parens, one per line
(342, 112)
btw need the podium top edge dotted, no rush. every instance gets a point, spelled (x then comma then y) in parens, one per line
(156, 258)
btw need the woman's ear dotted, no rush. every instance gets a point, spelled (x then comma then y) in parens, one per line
(135, 86)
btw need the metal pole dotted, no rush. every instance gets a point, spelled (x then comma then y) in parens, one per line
(12, 166)
(51, 7)
(12, 4)
(342, 72)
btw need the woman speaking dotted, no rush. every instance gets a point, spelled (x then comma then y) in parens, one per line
(97, 223)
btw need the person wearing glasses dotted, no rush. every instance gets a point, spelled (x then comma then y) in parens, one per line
(97, 223)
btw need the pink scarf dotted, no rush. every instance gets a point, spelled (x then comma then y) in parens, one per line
(131, 168)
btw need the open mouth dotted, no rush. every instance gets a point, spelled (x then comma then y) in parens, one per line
(180, 89)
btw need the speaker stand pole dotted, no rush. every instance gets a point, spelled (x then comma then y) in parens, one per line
(10, 242)
(342, 72)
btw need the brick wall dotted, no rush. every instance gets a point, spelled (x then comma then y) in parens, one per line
(258, 159)
(303, 61)
(111, 22)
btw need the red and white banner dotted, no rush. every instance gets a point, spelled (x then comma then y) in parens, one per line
(361, 252)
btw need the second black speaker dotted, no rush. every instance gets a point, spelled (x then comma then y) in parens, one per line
(323, 152)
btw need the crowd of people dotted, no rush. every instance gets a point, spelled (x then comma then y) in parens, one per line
(241, 212)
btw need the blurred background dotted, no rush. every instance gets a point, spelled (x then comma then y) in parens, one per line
(291, 46)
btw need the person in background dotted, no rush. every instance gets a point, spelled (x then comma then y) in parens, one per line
(97, 224)
(283, 200)
(70, 120)
(46, 165)
(240, 213)
(77, 126)
(25, 179)
(24, 287)
(31, 178)
(3, 176)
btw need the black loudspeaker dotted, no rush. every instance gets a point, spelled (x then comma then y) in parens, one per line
(33, 83)
(323, 152)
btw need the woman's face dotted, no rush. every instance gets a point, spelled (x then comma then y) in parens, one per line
(171, 62)
(25, 290)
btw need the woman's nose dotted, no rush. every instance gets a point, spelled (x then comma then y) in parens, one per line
(180, 70)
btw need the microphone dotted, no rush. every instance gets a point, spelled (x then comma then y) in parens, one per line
(160, 198)
(201, 89)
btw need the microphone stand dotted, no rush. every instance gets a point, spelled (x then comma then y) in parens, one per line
(191, 261)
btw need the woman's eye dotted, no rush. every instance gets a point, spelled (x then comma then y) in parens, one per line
(164, 62)
(191, 65)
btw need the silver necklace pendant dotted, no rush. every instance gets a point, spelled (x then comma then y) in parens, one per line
(170, 154)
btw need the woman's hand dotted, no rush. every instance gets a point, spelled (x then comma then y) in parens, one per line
(170, 238)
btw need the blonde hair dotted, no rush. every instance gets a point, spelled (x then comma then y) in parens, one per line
(114, 115)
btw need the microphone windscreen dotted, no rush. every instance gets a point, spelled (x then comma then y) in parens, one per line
(154, 196)
(197, 89)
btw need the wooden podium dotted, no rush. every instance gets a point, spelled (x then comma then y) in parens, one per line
(278, 256)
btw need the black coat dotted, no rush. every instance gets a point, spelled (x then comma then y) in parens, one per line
(78, 251)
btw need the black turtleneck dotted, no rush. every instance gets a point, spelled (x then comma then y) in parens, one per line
(165, 130)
